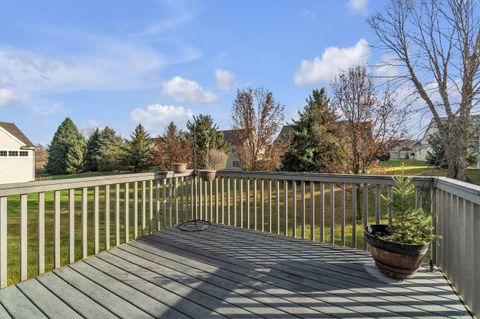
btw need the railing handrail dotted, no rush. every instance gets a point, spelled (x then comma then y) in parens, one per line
(80, 182)
(463, 190)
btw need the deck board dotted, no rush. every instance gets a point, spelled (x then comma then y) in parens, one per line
(227, 272)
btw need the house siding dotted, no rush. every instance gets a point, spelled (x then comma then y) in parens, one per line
(15, 169)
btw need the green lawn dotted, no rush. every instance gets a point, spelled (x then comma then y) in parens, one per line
(390, 167)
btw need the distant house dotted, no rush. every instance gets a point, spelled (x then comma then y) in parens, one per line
(233, 163)
(17, 155)
(402, 149)
(421, 147)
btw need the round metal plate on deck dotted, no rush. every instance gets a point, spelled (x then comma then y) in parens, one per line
(194, 225)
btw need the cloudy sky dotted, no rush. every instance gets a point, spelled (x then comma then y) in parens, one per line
(120, 63)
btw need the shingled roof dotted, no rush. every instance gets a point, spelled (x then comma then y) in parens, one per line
(15, 131)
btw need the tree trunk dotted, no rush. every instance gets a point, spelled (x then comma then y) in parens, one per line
(456, 144)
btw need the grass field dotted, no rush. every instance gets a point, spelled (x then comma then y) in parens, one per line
(390, 167)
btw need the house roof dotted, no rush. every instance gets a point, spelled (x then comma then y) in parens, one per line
(229, 136)
(15, 131)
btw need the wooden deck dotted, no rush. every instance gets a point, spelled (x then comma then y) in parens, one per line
(228, 272)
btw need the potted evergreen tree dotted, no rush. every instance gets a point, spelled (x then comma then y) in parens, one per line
(398, 249)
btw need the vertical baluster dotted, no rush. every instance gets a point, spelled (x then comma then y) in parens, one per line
(354, 215)
(262, 203)
(205, 201)
(211, 200)
(41, 232)
(248, 203)
(96, 220)
(164, 199)
(322, 212)
(175, 194)
(71, 227)
(228, 201)
(144, 207)
(107, 217)
(170, 199)
(192, 196)
(187, 196)
(234, 201)
(150, 206)
(255, 204)
(117, 214)
(84, 222)
(180, 199)
(312, 211)
(303, 208)
(390, 194)
(342, 214)
(157, 199)
(365, 212)
(332, 213)
(127, 213)
(278, 206)
(241, 202)
(200, 198)
(222, 181)
(135, 210)
(285, 206)
(3, 241)
(24, 235)
(294, 208)
(216, 200)
(377, 204)
(270, 205)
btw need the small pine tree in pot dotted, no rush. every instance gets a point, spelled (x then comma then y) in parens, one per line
(398, 249)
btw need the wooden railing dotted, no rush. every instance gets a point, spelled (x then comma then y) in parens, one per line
(52, 223)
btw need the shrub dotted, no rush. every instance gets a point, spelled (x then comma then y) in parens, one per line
(216, 159)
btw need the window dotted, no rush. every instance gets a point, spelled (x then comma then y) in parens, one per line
(236, 164)
(23, 153)
(12, 153)
(3, 153)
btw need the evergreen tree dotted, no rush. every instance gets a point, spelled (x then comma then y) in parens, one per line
(436, 155)
(316, 138)
(65, 152)
(92, 152)
(111, 151)
(205, 135)
(138, 155)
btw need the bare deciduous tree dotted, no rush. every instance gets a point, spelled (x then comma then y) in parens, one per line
(437, 43)
(372, 121)
(257, 118)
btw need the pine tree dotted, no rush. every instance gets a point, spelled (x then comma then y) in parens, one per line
(138, 155)
(316, 138)
(65, 152)
(92, 152)
(205, 135)
(436, 155)
(111, 150)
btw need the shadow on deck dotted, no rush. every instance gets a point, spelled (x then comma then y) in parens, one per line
(232, 273)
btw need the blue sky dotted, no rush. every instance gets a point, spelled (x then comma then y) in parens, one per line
(120, 63)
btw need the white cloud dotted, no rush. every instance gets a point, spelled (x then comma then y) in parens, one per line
(224, 79)
(308, 14)
(157, 116)
(358, 5)
(8, 97)
(333, 60)
(46, 110)
(187, 91)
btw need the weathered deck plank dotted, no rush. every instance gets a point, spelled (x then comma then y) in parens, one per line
(227, 272)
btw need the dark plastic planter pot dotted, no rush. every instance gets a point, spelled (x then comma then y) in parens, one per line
(396, 260)
(207, 174)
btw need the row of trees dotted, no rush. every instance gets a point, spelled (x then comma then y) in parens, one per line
(104, 150)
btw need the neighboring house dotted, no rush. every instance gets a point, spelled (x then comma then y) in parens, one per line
(402, 149)
(233, 163)
(421, 147)
(17, 155)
